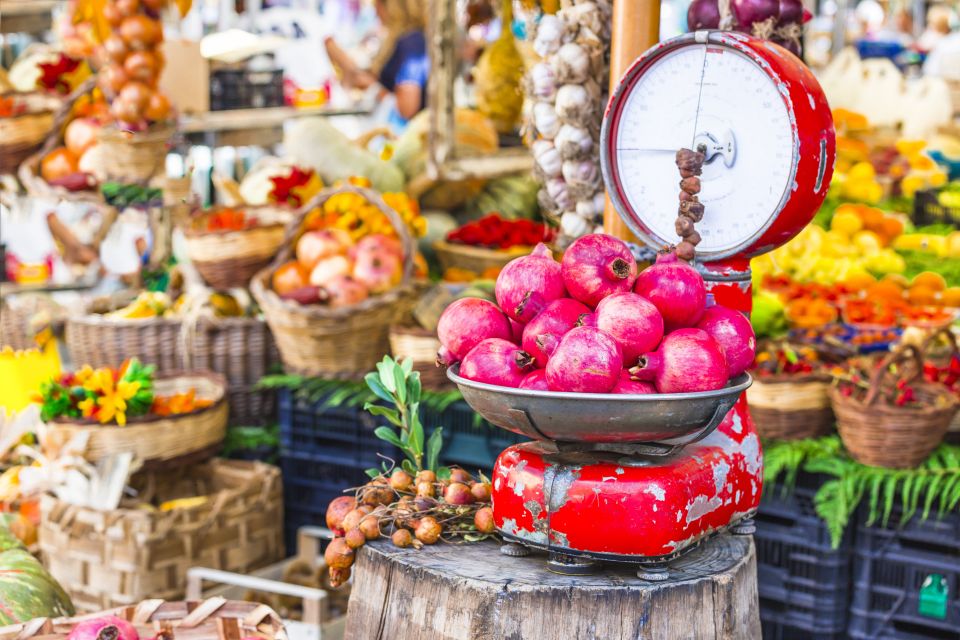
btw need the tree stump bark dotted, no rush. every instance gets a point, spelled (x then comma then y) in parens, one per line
(473, 592)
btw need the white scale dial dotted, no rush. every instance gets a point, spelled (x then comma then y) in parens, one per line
(718, 96)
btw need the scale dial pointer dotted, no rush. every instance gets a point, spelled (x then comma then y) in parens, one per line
(722, 145)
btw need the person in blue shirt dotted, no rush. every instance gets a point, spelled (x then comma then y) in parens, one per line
(401, 66)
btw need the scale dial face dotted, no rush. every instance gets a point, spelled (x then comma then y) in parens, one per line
(740, 98)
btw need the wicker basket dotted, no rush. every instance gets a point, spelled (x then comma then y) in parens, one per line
(894, 437)
(23, 315)
(115, 558)
(211, 619)
(421, 346)
(134, 157)
(475, 259)
(159, 440)
(103, 341)
(336, 343)
(928, 350)
(21, 136)
(791, 407)
(227, 259)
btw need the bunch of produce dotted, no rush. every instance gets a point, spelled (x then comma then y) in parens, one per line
(777, 20)
(493, 232)
(897, 387)
(112, 395)
(946, 374)
(594, 324)
(566, 92)
(497, 76)
(147, 304)
(867, 227)
(775, 358)
(295, 187)
(226, 219)
(352, 213)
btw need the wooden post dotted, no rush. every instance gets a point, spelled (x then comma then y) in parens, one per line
(636, 28)
(473, 592)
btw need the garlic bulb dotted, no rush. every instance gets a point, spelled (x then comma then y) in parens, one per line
(573, 103)
(574, 225)
(580, 172)
(557, 190)
(549, 34)
(545, 120)
(572, 64)
(547, 158)
(543, 81)
(588, 209)
(573, 142)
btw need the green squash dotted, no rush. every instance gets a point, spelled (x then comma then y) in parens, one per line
(26, 589)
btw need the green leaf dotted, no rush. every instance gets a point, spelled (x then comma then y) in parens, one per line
(386, 433)
(407, 365)
(413, 388)
(387, 378)
(373, 382)
(443, 473)
(407, 466)
(400, 383)
(889, 492)
(416, 435)
(373, 472)
(434, 444)
(386, 412)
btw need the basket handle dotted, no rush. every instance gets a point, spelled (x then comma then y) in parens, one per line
(373, 198)
(930, 340)
(903, 354)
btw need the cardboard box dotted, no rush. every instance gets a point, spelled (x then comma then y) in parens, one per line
(186, 76)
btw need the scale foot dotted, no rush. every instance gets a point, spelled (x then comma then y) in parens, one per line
(514, 550)
(654, 572)
(745, 527)
(571, 565)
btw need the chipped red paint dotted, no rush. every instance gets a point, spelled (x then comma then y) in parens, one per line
(733, 295)
(617, 507)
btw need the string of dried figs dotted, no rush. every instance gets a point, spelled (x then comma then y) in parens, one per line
(412, 510)
(690, 164)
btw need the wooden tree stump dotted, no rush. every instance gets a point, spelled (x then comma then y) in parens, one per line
(473, 592)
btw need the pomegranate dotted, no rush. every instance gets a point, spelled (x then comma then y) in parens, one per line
(337, 511)
(627, 385)
(527, 284)
(536, 380)
(338, 577)
(355, 538)
(378, 271)
(675, 289)
(402, 538)
(104, 628)
(688, 360)
(734, 333)
(496, 361)
(426, 475)
(344, 291)
(326, 269)
(338, 555)
(632, 321)
(597, 265)
(467, 322)
(352, 520)
(556, 319)
(314, 246)
(425, 489)
(516, 329)
(586, 360)
(370, 527)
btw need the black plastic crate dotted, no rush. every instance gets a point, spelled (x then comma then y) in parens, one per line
(245, 89)
(803, 583)
(468, 442)
(780, 621)
(891, 567)
(928, 210)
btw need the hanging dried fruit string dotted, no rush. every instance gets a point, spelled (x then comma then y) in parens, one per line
(690, 164)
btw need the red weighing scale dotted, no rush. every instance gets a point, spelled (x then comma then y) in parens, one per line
(643, 479)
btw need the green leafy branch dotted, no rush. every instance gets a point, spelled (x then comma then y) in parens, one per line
(783, 459)
(251, 438)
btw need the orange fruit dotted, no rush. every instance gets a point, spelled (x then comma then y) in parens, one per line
(951, 297)
(891, 227)
(872, 218)
(898, 279)
(922, 296)
(859, 281)
(884, 290)
(930, 280)
(57, 164)
(290, 276)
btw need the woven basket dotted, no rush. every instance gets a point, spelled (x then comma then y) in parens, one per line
(21, 316)
(336, 343)
(475, 259)
(211, 619)
(159, 440)
(894, 437)
(115, 558)
(134, 157)
(421, 346)
(102, 341)
(791, 407)
(227, 259)
(21, 136)
(928, 349)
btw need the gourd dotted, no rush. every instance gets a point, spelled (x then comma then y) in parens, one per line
(498, 74)
(27, 591)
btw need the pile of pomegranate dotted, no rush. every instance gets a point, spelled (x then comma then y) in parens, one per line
(592, 323)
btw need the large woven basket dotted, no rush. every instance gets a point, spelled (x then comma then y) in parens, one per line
(791, 407)
(159, 440)
(227, 259)
(21, 317)
(104, 341)
(23, 135)
(929, 349)
(211, 619)
(134, 157)
(115, 558)
(421, 346)
(894, 437)
(339, 343)
(475, 259)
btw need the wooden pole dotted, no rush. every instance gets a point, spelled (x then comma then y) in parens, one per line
(636, 28)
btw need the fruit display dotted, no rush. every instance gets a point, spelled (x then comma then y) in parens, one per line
(147, 304)
(493, 232)
(779, 357)
(594, 323)
(351, 212)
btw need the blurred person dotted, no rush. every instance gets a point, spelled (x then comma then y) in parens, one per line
(939, 18)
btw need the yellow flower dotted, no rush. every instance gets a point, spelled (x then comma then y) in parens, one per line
(86, 406)
(99, 380)
(113, 402)
(84, 374)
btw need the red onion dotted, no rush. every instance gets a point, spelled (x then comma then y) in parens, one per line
(597, 265)
(586, 360)
(527, 284)
(535, 380)
(628, 386)
(703, 14)
(556, 319)
(791, 12)
(496, 361)
(632, 321)
(467, 322)
(734, 333)
(750, 12)
(104, 628)
(675, 289)
(688, 360)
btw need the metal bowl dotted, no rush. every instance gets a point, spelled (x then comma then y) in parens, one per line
(601, 417)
